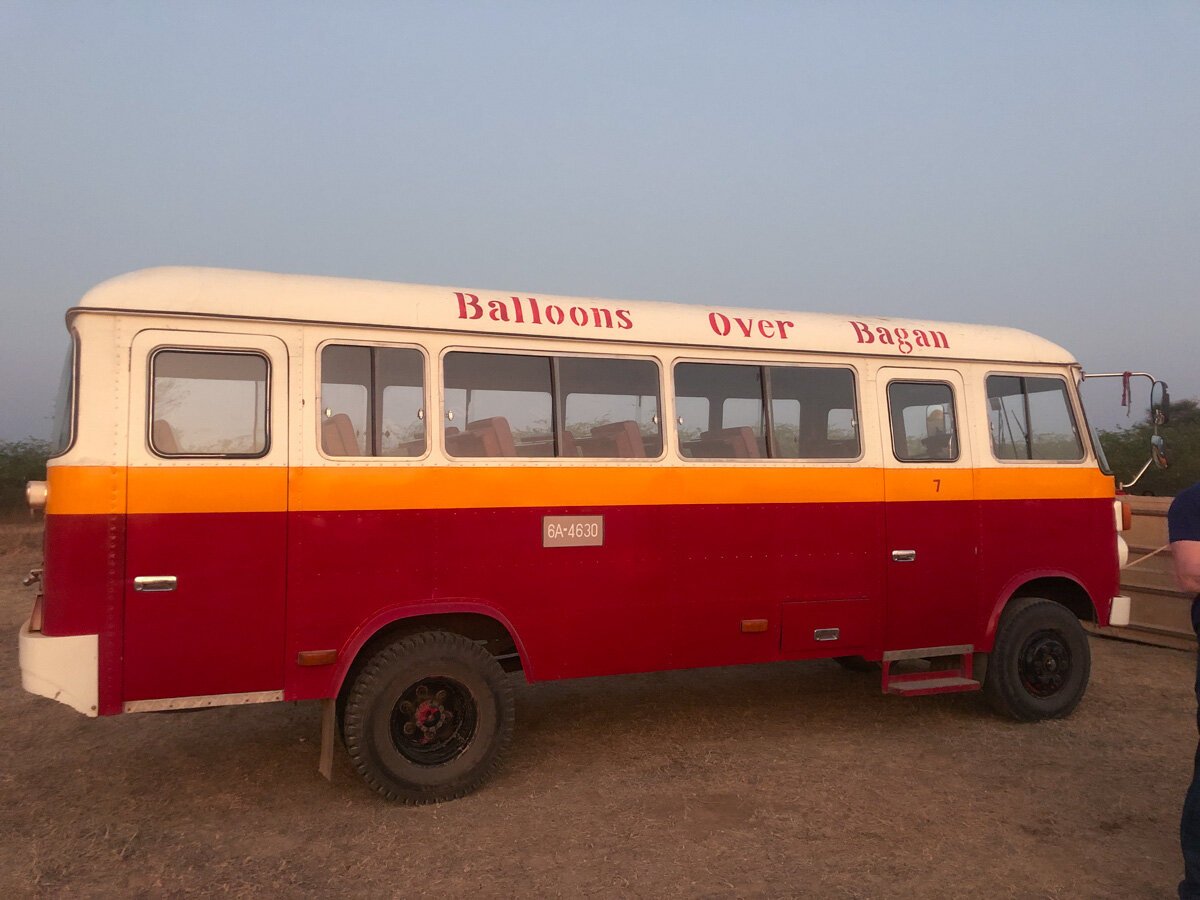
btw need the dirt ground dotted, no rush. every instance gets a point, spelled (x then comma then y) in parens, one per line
(762, 781)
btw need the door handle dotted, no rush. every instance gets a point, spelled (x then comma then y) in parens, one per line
(904, 555)
(153, 583)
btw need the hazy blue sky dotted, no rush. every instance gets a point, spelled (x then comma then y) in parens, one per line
(1034, 165)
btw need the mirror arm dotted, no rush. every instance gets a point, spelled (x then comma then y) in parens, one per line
(1125, 485)
(1087, 375)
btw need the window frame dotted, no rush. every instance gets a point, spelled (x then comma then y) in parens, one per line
(425, 398)
(1077, 415)
(557, 412)
(891, 433)
(769, 414)
(268, 386)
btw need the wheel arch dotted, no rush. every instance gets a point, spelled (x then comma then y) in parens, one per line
(475, 621)
(1060, 587)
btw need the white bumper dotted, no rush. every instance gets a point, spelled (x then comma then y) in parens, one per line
(66, 669)
(1118, 613)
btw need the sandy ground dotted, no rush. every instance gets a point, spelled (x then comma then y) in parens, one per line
(761, 781)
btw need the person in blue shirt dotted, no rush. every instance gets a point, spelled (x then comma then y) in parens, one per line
(1183, 524)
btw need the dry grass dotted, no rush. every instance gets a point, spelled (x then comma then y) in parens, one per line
(763, 781)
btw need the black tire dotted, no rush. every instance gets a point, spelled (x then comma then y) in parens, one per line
(856, 664)
(1039, 666)
(428, 718)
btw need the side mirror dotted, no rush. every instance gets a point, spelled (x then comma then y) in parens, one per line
(1158, 451)
(1160, 404)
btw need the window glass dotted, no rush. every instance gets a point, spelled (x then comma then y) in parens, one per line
(812, 411)
(345, 395)
(207, 403)
(804, 401)
(498, 405)
(691, 419)
(785, 420)
(400, 402)
(733, 399)
(923, 423)
(64, 403)
(610, 408)
(372, 401)
(1030, 418)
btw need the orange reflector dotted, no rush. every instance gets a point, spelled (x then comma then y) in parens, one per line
(1126, 516)
(753, 626)
(316, 657)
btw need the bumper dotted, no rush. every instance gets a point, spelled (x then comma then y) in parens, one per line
(1118, 612)
(66, 669)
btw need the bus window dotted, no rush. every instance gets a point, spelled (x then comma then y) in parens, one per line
(923, 426)
(723, 410)
(733, 397)
(803, 403)
(507, 405)
(372, 401)
(205, 403)
(498, 404)
(1030, 418)
(610, 407)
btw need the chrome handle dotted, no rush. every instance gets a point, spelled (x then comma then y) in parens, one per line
(904, 555)
(827, 634)
(153, 583)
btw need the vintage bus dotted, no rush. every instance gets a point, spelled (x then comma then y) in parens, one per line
(388, 497)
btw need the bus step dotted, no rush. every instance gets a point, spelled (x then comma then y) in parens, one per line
(950, 670)
(910, 687)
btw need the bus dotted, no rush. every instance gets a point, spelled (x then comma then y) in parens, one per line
(391, 497)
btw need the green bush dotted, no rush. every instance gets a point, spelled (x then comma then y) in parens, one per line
(1129, 448)
(20, 461)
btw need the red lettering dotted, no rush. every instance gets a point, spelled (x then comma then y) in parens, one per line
(533, 306)
(783, 327)
(939, 340)
(902, 341)
(555, 315)
(885, 336)
(582, 318)
(623, 319)
(921, 337)
(465, 300)
(518, 314)
(719, 323)
(763, 326)
(744, 324)
(863, 333)
(498, 310)
(601, 318)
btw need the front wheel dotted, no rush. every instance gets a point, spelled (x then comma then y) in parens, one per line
(428, 717)
(1039, 666)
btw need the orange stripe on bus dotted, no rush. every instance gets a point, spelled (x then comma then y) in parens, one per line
(77, 490)
(100, 489)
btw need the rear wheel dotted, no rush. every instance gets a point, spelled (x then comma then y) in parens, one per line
(1041, 661)
(428, 717)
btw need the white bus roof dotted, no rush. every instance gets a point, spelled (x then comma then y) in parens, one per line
(226, 293)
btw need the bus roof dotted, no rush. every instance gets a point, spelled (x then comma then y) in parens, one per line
(226, 293)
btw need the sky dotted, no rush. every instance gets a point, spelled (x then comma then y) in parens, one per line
(1025, 164)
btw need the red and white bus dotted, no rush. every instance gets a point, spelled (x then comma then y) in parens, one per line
(387, 497)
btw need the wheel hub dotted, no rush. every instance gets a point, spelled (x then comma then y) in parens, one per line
(1044, 664)
(434, 721)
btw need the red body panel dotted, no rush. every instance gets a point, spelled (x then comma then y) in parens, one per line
(668, 589)
(221, 631)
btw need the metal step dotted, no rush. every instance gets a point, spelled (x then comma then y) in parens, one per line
(926, 652)
(918, 687)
